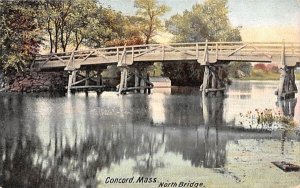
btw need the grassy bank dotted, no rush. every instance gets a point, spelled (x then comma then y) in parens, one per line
(261, 75)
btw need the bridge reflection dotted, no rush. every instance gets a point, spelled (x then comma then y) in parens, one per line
(287, 107)
(66, 142)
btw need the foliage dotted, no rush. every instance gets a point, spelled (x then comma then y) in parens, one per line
(267, 67)
(205, 21)
(59, 26)
(262, 75)
(184, 73)
(76, 22)
(136, 40)
(235, 67)
(108, 25)
(260, 66)
(149, 12)
(20, 34)
(267, 118)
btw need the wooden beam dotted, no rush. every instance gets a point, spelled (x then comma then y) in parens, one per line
(237, 50)
(83, 80)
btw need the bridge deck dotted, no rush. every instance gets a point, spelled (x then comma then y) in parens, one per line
(203, 53)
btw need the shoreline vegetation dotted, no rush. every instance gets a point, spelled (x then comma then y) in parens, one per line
(265, 76)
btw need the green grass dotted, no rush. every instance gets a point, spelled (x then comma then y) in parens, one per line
(261, 75)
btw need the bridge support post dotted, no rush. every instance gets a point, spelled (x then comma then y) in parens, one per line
(87, 75)
(137, 80)
(147, 84)
(123, 81)
(99, 77)
(72, 79)
(287, 86)
(213, 80)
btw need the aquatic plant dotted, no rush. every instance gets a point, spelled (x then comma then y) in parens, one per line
(267, 118)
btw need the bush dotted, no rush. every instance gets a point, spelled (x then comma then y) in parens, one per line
(235, 67)
(260, 67)
(272, 68)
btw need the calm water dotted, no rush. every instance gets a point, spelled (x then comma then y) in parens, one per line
(171, 135)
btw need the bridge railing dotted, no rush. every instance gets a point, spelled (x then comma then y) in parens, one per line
(221, 48)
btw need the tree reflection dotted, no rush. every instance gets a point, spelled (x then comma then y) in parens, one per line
(80, 137)
(147, 162)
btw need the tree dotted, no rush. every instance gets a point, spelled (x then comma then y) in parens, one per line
(107, 25)
(205, 21)
(20, 35)
(150, 12)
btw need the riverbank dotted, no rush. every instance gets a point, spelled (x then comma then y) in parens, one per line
(260, 75)
(30, 82)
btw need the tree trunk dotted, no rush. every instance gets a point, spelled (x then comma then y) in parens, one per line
(56, 36)
(50, 36)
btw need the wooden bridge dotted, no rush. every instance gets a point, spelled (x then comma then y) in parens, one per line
(212, 55)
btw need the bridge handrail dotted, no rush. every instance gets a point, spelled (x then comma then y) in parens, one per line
(265, 47)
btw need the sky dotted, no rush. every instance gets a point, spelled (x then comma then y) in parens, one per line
(261, 20)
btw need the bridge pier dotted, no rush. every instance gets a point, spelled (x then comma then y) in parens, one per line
(137, 79)
(287, 86)
(87, 75)
(287, 107)
(141, 80)
(86, 81)
(99, 76)
(72, 79)
(213, 80)
(123, 80)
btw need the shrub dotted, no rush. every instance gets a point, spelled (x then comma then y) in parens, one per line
(272, 68)
(260, 67)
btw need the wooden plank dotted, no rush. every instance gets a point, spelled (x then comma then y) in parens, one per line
(215, 89)
(148, 51)
(237, 50)
(287, 167)
(87, 87)
(74, 83)
(138, 88)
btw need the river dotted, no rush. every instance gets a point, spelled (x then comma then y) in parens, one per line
(173, 135)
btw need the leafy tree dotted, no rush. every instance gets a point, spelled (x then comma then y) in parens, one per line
(150, 12)
(71, 23)
(107, 25)
(205, 21)
(20, 34)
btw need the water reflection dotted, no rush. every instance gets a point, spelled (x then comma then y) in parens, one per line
(287, 107)
(67, 142)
